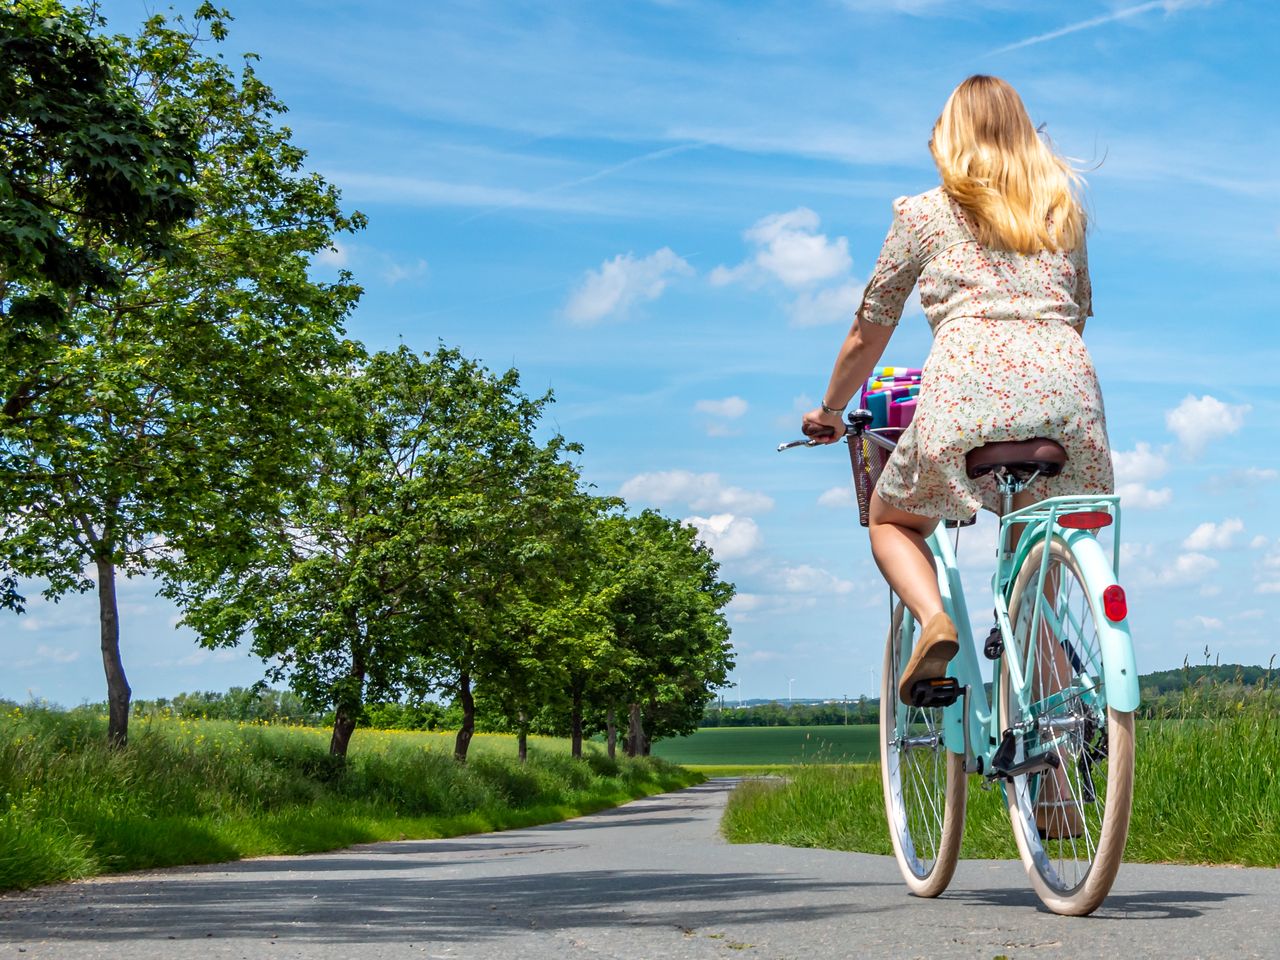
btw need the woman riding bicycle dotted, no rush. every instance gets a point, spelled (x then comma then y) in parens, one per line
(998, 253)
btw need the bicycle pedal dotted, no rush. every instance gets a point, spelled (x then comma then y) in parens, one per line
(993, 648)
(1003, 765)
(938, 692)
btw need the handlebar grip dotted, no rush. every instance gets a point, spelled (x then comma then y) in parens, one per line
(818, 433)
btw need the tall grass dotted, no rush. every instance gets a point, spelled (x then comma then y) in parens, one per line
(190, 791)
(1207, 790)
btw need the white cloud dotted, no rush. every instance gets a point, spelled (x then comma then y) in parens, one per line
(1135, 470)
(728, 536)
(1130, 551)
(417, 191)
(1139, 497)
(1213, 536)
(1248, 477)
(700, 491)
(1269, 586)
(807, 579)
(789, 248)
(1196, 421)
(825, 306)
(339, 255)
(622, 282)
(837, 497)
(395, 273)
(1202, 623)
(1258, 542)
(1139, 465)
(730, 407)
(56, 654)
(1124, 13)
(744, 603)
(1187, 568)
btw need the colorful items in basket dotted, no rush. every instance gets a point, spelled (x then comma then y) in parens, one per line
(890, 395)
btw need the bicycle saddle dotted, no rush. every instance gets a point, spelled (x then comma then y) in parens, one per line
(1022, 458)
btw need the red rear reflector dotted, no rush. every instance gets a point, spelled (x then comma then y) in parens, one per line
(1114, 604)
(1085, 520)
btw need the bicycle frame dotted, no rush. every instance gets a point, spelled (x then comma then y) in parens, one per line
(971, 725)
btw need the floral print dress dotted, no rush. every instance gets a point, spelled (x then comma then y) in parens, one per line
(1006, 363)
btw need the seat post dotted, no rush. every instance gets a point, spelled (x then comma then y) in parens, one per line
(1009, 485)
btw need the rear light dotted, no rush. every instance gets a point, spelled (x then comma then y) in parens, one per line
(1085, 520)
(1114, 604)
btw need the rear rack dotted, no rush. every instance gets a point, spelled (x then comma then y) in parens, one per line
(1049, 510)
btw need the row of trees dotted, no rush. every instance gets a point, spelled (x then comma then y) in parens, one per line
(776, 714)
(178, 398)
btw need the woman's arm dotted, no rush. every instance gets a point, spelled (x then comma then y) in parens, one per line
(886, 292)
(858, 356)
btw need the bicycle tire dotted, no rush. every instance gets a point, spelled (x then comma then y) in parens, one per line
(924, 782)
(1073, 850)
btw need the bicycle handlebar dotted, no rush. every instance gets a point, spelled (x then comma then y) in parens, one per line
(858, 420)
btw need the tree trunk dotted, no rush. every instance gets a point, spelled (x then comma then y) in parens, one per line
(611, 725)
(575, 726)
(118, 692)
(468, 729)
(637, 743)
(522, 741)
(344, 724)
(347, 714)
(645, 743)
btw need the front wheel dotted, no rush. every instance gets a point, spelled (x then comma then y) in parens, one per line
(924, 782)
(1070, 820)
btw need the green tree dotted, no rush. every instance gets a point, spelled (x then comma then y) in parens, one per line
(558, 634)
(404, 561)
(507, 533)
(80, 154)
(345, 577)
(672, 638)
(175, 403)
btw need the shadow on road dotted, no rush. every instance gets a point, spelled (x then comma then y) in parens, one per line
(421, 904)
(1146, 905)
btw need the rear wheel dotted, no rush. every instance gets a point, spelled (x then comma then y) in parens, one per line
(1070, 821)
(924, 782)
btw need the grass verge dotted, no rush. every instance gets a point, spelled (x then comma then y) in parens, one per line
(208, 791)
(1207, 791)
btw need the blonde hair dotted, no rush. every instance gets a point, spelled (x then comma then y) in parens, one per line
(1019, 193)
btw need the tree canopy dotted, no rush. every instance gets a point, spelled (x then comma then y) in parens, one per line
(178, 397)
(158, 420)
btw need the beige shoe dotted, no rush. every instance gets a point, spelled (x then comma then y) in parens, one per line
(936, 648)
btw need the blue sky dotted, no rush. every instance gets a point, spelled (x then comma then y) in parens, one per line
(664, 212)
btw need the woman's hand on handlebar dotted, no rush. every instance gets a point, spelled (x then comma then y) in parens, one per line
(822, 427)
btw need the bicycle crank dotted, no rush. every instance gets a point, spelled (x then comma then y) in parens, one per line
(1004, 767)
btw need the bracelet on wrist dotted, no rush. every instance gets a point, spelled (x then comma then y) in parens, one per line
(834, 411)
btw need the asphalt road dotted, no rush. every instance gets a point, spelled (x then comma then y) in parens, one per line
(646, 881)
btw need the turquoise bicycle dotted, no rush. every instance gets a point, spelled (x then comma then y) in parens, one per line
(1059, 737)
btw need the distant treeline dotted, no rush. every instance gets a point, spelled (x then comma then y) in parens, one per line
(1208, 690)
(1205, 689)
(831, 713)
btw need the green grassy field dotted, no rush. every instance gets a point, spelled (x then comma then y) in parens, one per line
(1206, 791)
(203, 791)
(749, 746)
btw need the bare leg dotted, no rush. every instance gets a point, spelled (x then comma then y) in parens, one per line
(898, 545)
